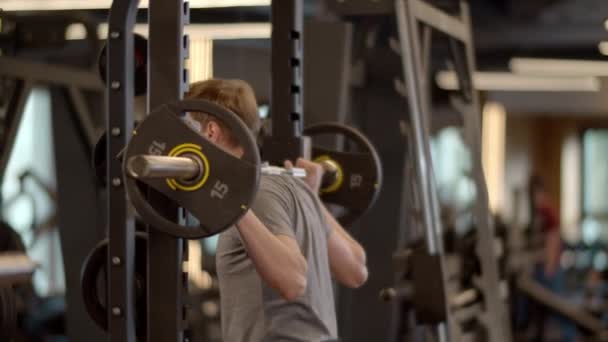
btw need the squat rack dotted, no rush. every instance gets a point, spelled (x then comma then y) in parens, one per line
(430, 292)
(167, 82)
(415, 48)
(286, 141)
(166, 283)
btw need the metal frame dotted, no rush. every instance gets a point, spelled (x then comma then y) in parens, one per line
(166, 283)
(29, 73)
(496, 316)
(287, 111)
(167, 81)
(83, 115)
(36, 72)
(287, 68)
(555, 303)
(121, 225)
(410, 14)
(14, 113)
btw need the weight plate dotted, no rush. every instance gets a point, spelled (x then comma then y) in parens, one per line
(358, 189)
(359, 173)
(141, 64)
(100, 159)
(230, 183)
(93, 282)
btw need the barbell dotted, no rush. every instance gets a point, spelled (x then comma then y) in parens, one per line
(216, 187)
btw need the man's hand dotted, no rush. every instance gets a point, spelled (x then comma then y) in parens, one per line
(314, 172)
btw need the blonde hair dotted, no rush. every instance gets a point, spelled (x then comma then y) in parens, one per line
(232, 94)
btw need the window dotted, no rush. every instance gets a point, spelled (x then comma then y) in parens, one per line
(452, 166)
(26, 202)
(595, 185)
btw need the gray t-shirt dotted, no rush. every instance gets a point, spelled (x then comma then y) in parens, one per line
(251, 310)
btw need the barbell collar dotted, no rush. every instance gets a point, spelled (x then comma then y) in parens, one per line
(330, 169)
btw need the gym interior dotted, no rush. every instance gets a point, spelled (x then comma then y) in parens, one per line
(463, 143)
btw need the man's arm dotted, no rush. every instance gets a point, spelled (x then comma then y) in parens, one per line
(277, 258)
(347, 257)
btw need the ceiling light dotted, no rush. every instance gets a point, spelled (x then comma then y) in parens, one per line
(558, 67)
(503, 81)
(603, 47)
(195, 31)
(50, 5)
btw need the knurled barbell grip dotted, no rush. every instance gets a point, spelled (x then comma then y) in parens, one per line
(277, 170)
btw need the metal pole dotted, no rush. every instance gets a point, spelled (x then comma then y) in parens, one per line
(412, 68)
(166, 84)
(286, 142)
(150, 166)
(287, 69)
(497, 319)
(14, 113)
(121, 227)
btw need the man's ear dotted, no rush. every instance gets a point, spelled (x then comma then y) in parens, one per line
(212, 131)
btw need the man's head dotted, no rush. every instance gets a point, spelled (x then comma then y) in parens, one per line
(234, 95)
(538, 192)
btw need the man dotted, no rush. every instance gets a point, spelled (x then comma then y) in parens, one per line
(545, 220)
(275, 266)
(545, 232)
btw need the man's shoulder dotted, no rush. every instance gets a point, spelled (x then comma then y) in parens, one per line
(280, 185)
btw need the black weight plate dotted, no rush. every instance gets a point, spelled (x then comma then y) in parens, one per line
(359, 188)
(93, 283)
(362, 178)
(140, 53)
(100, 159)
(231, 183)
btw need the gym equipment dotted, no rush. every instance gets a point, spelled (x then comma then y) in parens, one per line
(583, 319)
(353, 179)
(201, 178)
(15, 267)
(417, 21)
(141, 64)
(94, 283)
(16, 270)
(184, 168)
(147, 162)
(213, 185)
(286, 141)
(99, 162)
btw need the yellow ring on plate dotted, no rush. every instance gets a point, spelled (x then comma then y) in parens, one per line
(197, 150)
(333, 187)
